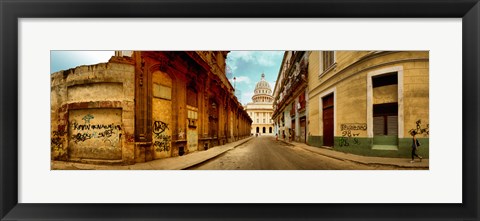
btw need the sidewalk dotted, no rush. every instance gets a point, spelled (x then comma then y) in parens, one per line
(367, 160)
(172, 163)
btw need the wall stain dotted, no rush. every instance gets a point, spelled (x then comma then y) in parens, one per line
(57, 140)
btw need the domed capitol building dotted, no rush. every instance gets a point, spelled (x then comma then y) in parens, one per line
(261, 109)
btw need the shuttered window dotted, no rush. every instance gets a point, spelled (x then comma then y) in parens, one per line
(378, 125)
(328, 59)
(392, 125)
(385, 119)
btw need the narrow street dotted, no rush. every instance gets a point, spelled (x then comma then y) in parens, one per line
(265, 153)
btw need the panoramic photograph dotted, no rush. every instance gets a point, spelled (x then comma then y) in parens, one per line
(239, 110)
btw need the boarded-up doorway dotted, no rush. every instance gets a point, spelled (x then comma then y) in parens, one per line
(162, 115)
(95, 134)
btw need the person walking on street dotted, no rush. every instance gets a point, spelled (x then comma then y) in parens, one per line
(415, 145)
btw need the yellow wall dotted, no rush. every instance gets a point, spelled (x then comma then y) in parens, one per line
(416, 95)
(349, 78)
(385, 94)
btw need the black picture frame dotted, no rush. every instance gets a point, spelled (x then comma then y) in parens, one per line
(11, 11)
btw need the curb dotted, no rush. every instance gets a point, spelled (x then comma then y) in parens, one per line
(356, 161)
(213, 157)
(86, 166)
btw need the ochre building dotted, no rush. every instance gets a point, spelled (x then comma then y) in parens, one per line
(368, 102)
(144, 105)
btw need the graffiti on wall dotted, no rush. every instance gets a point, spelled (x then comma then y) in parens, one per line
(87, 118)
(349, 137)
(161, 140)
(109, 134)
(419, 130)
(58, 139)
(353, 126)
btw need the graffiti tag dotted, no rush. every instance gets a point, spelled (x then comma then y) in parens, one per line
(87, 118)
(161, 141)
(159, 127)
(353, 126)
(57, 140)
(419, 129)
(87, 131)
(348, 137)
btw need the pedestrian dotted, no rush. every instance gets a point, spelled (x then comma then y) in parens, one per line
(415, 145)
(276, 136)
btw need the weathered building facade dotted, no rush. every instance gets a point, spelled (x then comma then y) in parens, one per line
(362, 102)
(368, 102)
(144, 106)
(290, 113)
(260, 110)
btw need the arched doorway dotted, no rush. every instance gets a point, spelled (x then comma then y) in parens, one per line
(258, 130)
(263, 130)
(270, 130)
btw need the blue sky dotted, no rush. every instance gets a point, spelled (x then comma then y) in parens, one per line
(246, 66)
(63, 60)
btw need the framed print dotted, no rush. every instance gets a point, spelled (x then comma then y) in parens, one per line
(409, 70)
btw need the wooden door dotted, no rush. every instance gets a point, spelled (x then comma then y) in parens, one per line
(303, 135)
(328, 120)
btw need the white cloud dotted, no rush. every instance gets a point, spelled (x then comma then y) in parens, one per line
(244, 55)
(267, 58)
(247, 97)
(272, 85)
(94, 56)
(242, 79)
(232, 65)
(263, 58)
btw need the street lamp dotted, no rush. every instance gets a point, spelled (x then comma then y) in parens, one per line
(234, 82)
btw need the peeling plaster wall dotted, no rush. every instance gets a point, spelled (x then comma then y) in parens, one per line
(102, 91)
(92, 113)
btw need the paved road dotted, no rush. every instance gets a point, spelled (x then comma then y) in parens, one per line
(265, 153)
